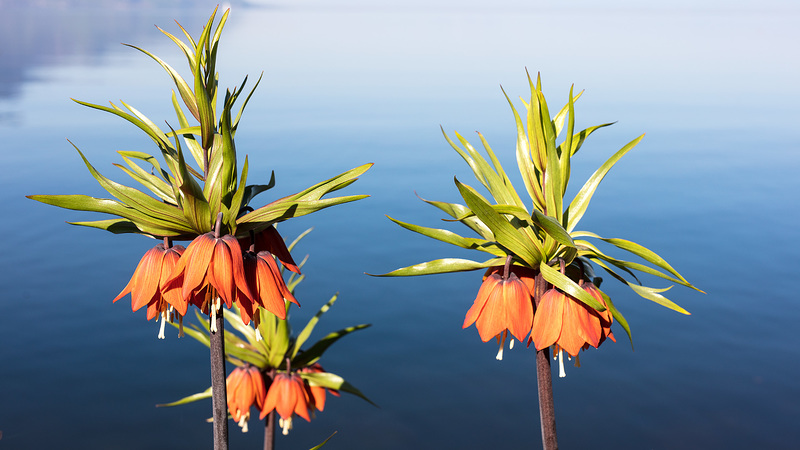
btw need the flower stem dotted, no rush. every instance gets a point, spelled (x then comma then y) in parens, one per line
(269, 426)
(269, 431)
(218, 386)
(547, 412)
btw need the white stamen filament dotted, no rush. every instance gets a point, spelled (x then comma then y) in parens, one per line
(285, 424)
(215, 307)
(561, 372)
(502, 342)
(243, 422)
(511, 344)
(163, 323)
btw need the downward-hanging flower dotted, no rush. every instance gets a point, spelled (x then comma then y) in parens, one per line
(288, 395)
(503, 304)
(210, 262)
(317, 392)
(570, 324)
(271, 241)
(245, 389)
(150, 276)
(266, 284)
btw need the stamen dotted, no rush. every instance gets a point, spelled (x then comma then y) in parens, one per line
(180, 326)
(216, 305)
(285, 424)
(502, 342)
(561, 372)
(243, 423)
(511, 344)
(163, 323)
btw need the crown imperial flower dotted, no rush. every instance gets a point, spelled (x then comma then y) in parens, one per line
(210, 262)
(151, 274)
(245, 389)
(503, 304)
(288, 395)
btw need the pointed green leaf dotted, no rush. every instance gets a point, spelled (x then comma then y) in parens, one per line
(446, 265)
(581, 201)
(303, 336)
(569, 287)
(504, 233)
(189, 399)
(452, 238)
(312, 355)
(332, 381)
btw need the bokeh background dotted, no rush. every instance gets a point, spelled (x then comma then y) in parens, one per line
(713, 188)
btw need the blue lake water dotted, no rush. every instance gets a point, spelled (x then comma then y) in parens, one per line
(713, 188)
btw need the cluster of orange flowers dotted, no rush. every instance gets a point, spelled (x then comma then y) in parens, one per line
(209, 271)
(289, 395)
(505, 305)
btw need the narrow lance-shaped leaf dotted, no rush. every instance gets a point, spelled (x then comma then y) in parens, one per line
(136, 199)
(147, 224)
(570, 287)
(646, 254)
(581, 201)
(309, 328)
(192, 398)
(180, 83)
(332, 381)
(452, 238)
(618, 316)
(447, 265)
(188, 133)
(462, 214)
(524, 162)
(505, 233)
(312, 355)
(195, 207)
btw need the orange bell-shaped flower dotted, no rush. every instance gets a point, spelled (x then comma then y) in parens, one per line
(317, 392)
(266, 283)
(288, 395)
(569, 323)
(210, 262)
(271, 241)
(150, 276)
(503, 303)
(245, 388)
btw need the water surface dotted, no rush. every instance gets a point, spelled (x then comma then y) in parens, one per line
(713, 188)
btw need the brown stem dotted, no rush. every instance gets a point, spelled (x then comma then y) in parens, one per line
(506, 267)
(547, 412)
(269, 431)
(269, 426)
(218, 226)
(219, 393)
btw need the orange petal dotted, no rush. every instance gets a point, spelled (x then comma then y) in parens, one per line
(480, 300)
(570, 339)
(220, 273)
(271, 241)
(146, 283)
(259, 389)
(492, 320)
(518, 307)
(268, 290)
(198, 258)
(239, 279)
(547, 320)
